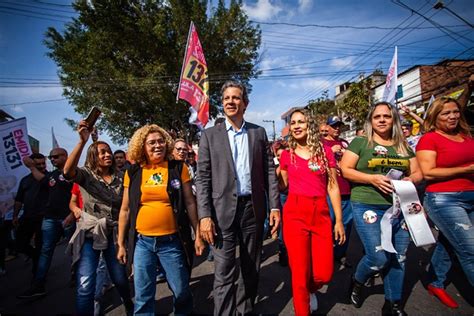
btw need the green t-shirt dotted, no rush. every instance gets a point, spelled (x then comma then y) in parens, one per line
(377, 159)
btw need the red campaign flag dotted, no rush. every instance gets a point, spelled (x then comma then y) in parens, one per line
(193, 83)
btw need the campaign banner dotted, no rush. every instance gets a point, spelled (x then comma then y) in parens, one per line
(406, 202)
(194, 84)
(390, 91)
(14, 145)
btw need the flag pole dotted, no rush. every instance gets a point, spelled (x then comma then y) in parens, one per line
(184, 61)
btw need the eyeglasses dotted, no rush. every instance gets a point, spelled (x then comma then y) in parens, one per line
(51, 157)
(153, 142)
(181, 149)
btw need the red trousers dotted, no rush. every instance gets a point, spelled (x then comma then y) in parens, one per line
(307, 232)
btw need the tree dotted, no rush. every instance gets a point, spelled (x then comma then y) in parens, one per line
(356, 103)
(126, 56)
(322, 107)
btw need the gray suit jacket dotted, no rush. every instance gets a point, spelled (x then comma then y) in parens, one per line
(216, 183)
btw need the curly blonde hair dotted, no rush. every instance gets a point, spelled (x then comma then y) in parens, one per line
(136, 146)
(318, 155)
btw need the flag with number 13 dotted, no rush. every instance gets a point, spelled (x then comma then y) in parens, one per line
(194, 84)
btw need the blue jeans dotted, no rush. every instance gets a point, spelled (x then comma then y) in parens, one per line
(340, 250)
(440, 262)
(453, 214)
(86, 269)
(375, 259)
(166, 250)
(52, 230)
(281, 243)
(102, 279)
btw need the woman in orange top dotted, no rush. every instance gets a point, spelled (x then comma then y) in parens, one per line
(157, 208)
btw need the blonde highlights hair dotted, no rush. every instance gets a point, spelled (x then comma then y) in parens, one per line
(318, 155)
(436, 108)
(136, 146)
(397, 137)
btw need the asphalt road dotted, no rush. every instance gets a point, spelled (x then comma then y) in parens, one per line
(274, 289)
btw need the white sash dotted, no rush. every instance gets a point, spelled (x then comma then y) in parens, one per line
(405, 200)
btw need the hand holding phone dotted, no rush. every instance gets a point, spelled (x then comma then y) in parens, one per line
(92, 117)
(394, 174)
(276, 162)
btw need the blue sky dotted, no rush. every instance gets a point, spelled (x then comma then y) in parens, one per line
(298, 61)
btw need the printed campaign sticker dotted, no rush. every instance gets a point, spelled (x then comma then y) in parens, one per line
(369, 217)
(380, 150)
(175, 184)
(415, 208)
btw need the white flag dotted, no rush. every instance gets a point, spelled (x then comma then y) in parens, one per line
(428, 107)
(390, 90)
(55, 141)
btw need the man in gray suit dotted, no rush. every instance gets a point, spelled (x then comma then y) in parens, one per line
(234, 178)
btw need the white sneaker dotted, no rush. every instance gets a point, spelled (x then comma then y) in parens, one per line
(313, 302)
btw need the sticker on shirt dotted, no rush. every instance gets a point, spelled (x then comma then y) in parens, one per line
(369, 217)
(155, 179)
(313, 166)
(175, 184)
(52, 182)
(61, 178)
(380, 150)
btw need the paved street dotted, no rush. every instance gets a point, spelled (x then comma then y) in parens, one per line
(274, 290)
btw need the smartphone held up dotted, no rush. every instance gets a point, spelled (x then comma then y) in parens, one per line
(92, 117)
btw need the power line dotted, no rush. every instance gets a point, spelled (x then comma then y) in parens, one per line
(373, 27)
(33, 102)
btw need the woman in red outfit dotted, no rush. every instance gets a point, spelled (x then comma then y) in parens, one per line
(309, 169)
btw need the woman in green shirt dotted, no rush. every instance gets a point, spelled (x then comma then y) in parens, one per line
(366, 163)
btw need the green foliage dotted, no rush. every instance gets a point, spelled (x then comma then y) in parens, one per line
(126, 56)
(322, 107)
(356, 103)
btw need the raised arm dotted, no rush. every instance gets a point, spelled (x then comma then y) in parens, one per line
(73, 159)
(30, 164)
(412, 114)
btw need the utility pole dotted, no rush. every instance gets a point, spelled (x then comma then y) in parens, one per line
(273, 124)
(440, 5)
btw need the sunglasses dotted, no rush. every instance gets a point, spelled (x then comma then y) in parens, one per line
(54, 156)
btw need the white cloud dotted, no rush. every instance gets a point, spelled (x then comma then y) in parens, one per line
(304, 5)
(258, 116)
(274, 62)
(17, 109)
(263, 10)
(342, 62)
(310, 83)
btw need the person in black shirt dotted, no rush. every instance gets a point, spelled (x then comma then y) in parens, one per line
(32, 198)
(58, 220)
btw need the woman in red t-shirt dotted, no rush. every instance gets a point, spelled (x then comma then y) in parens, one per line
(446, 157)
(309, 170)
